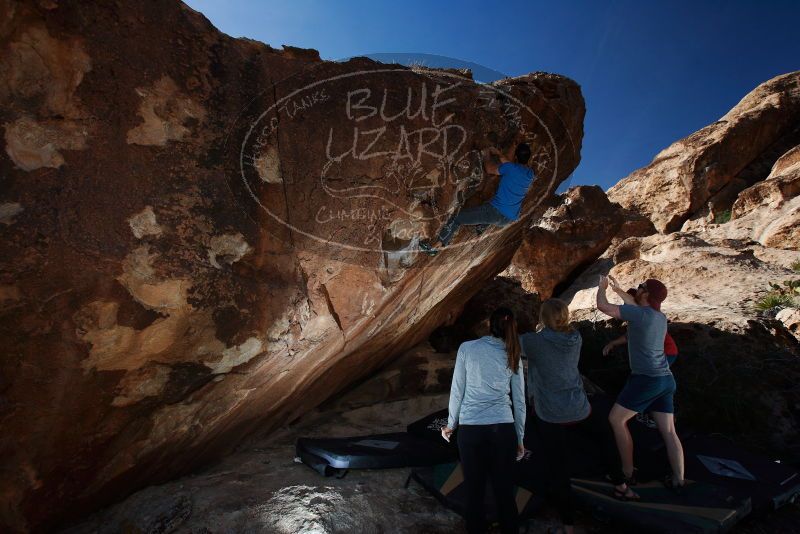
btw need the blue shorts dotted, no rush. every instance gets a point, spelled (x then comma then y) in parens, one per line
(648, 394)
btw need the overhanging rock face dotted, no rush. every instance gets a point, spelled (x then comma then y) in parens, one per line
(203, 236)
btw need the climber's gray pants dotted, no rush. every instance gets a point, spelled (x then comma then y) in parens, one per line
(483, 214)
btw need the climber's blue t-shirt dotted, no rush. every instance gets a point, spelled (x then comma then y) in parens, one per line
(514, 182)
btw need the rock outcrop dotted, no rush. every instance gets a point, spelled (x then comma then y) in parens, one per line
(771, 209)
(768, 212)
(569, 237)
(701, 175)
(790, 317)
(203, 236)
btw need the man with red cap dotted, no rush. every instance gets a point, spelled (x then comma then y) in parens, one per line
(670, 350)
(670, 347)
(651, 386)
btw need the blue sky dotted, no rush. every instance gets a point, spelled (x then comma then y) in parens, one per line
(651, 72)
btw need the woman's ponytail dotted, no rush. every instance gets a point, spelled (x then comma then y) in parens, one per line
(503, 325)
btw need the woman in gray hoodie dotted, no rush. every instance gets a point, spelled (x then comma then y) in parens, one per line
(561, 405)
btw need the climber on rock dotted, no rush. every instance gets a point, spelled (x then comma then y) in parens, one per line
(651, 386)
(503, 209)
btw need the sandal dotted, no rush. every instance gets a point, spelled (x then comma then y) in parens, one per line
(670, 484)
(626, 495)
(630, 481)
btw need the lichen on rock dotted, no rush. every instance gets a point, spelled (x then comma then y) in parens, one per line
(32, 145)
(144, 223)
(166, 113)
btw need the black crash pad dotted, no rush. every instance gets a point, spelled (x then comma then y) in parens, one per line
(328, 456)
(446, 483)
(719, 461)
(702, 507)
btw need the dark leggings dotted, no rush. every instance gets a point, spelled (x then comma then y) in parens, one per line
(555, 439)
(489, 451)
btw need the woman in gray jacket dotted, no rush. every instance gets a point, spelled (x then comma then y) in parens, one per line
(561, 405)
(487, 403)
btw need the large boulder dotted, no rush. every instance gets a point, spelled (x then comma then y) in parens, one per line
(767, 212)
(203, 236)
(569, 237)
(770, 210)
(701, 174)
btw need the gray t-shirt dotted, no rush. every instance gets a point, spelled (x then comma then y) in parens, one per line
(647, 328)
(553, 377)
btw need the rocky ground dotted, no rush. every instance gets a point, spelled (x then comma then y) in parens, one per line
(261, 489)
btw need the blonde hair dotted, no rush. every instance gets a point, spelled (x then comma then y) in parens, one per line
(554, 314)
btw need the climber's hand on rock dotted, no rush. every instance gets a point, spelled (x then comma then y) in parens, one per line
(603, 285)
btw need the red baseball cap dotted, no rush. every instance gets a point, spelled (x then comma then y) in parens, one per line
(656, 292)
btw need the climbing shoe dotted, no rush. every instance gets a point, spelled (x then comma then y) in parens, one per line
(427, 248)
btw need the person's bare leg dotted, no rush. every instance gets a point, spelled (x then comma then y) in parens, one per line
(666, 425)
(619, 418)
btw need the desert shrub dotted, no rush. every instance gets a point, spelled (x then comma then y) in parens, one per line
(786, 295)
(774, 300)
(723, 217)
